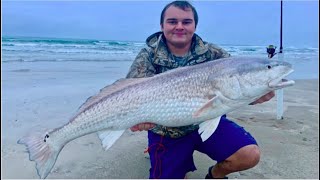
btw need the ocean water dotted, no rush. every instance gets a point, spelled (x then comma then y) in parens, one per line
(16, 49)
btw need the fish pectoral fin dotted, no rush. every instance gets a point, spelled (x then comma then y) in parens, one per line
(205, 107)
(207, 128)
(108, 138)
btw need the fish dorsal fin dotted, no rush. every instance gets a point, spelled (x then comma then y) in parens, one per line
(109, 89)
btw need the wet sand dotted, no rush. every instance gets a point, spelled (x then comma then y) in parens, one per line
(45, 95)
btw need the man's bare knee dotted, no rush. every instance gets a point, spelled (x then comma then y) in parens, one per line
(246, 157)
(253, 155)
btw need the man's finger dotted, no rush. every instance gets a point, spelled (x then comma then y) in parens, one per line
(142, 127)
(134, 128)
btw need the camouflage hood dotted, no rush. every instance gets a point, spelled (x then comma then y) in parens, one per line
(162, 56)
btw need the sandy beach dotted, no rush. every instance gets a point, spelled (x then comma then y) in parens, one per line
(43, 95)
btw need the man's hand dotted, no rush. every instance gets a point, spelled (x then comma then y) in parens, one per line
(264, 98)
(142, 127)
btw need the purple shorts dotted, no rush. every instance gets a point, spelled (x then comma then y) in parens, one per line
(172, 158)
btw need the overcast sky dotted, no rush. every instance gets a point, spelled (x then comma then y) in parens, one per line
(221, 22)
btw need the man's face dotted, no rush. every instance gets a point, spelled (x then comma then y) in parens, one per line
(178, 26)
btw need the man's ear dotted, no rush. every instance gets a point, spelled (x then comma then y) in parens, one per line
(161, 25)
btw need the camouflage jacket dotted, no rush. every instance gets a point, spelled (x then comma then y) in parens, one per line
(156, 59)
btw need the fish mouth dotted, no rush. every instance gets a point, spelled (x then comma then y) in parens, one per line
(281, 82)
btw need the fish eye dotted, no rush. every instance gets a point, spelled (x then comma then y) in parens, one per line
(269, 66)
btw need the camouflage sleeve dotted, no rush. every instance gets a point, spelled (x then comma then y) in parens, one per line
(217, 52)
(141, 66)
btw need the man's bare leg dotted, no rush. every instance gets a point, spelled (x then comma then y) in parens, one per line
(245, 158)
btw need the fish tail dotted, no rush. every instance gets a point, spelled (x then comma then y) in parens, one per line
(42, 151)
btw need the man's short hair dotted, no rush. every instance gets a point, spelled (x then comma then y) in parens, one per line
(184, 5)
